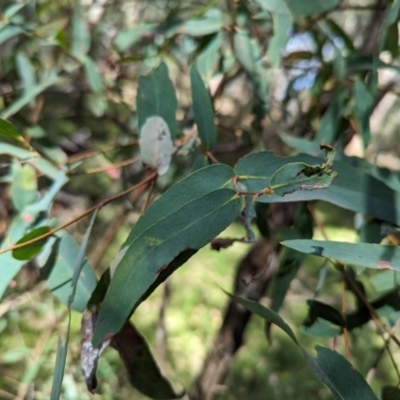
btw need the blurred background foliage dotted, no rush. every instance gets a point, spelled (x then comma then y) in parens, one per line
(282, 75)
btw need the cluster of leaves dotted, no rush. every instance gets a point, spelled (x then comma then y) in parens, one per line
(200, 206)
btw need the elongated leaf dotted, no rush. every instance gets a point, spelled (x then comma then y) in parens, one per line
(142, 369)
(80, 36)
(212, 22)
(30, 251)
(23, 186)
(60, 275)
(59, 368)
(362, 254)
(156, 97)
(203, 111)
(8, 130)
(128, 38)
(282, 19)
(352, 189)
(207, 61)
(93, 75)
(363, 106)
(80, 260)
(185, 218)
(26, 72)
(342, 379)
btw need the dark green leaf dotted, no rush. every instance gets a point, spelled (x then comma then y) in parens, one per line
(156, 97)
(185, 218)
(142, 369)
(331, 123)
(59, 368)
(31, 250)
(392, 40)
(310, 7)
(203, 111)
(390, 393)
(343, 380)
(352, 189)
(207, 61)
(362, 254)
(363, 107)
(8, 130)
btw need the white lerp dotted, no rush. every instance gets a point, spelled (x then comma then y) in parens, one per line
(156, 145)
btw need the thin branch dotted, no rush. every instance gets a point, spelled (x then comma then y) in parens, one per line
(100, 205)
(108, 167)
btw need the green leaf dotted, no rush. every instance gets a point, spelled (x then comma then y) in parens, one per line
(93, 75)
(352, 189)
(80, 261)
(30, 251)
(80, 42)
(310, 7)
(392, 40)
(8, 130)
(142, 369)
(390, 393)
(26, 72)
(361, 254)
(331, 123)
(343, 380)
(301, 176)
(23, 186)
(203, 111)
(156, 97)
(59, 368)
(364, 102)
(61, 272)
(282, 23)
(185, 218)
(126, 39)
(207, 62)
(210, 23)
(8, 32)
(30, 95)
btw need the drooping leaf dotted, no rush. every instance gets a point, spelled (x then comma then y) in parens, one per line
(80, 261)
(23, 186)
(212, 22)
(31, 250)
(203, 111)
(352, 189)
(60, 275)
(156, 97)
(361, 254)
(183, 219)
(282, 23)
(90, 355)
(59, 368)
(342, 379)
(156, 145)
(8, 130)
(142, 369)
(311, 7)
(363, 108)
